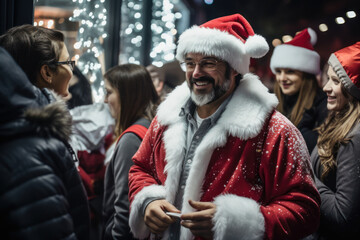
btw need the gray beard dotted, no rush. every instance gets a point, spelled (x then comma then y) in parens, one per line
(203, 99)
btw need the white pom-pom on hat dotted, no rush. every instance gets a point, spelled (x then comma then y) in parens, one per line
(313, 36)
(256, 46)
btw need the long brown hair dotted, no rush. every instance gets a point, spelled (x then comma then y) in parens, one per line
(307, 93)
(137, 94)
(333, 132)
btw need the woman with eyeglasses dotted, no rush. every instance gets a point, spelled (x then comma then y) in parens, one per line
(41, 193)
(295, 65)
(43, 56)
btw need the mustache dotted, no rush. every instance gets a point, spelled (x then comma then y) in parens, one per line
(203, 79)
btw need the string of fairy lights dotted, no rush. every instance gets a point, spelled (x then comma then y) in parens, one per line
(132, 34)
(163, 31)
(166, 16)
(92, 18)
(91, 15)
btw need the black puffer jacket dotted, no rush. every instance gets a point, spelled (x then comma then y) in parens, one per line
(41, 194)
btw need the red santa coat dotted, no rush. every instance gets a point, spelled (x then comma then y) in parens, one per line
(253, 164)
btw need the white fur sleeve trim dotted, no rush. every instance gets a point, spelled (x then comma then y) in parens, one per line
(136, 218)
(238, 218)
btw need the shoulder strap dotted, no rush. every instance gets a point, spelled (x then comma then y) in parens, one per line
(138, 129)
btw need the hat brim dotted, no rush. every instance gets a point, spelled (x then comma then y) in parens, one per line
(344, 78)
(296, 58)
(213, 42)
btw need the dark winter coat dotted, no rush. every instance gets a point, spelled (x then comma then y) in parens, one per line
(41, 194)
(312, 118)
(340, 192)
(116, 201)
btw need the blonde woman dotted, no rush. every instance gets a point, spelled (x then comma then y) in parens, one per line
(295, 65)
(336, 159)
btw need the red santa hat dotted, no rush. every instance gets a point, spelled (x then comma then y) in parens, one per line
(230, 38)
(297, 54)
(346, 64)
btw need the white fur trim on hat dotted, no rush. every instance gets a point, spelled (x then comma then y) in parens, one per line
(238, 218)
(296, 58)
(221, 44)
(343, 76)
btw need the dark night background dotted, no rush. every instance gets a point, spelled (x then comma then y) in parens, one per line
(275, 18)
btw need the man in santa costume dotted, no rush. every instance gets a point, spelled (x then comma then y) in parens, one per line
(218, 153)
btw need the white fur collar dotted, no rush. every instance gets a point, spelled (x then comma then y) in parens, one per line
(243, 117)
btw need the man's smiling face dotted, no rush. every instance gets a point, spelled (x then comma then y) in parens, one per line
(206, 78)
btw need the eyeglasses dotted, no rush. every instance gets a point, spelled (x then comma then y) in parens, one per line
(70, 63)
(206, 64)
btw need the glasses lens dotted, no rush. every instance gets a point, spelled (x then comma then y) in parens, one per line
(205, 64)
(208, 64)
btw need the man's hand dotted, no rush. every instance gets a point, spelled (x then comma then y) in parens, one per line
(200, 222)
(155, 217)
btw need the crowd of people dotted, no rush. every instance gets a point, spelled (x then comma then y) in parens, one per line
(209, 154)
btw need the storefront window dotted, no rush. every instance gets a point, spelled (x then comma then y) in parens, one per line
(148, 32)
(132, 34)
(169, 18)
(149, 37)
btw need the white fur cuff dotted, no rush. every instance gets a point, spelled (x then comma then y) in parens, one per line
(136, 218)
(237, 218)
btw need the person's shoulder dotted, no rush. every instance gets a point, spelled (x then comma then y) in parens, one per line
(278, 123)
(132, 136)
(143, 122)
(355, 133)
(352, 147)
(49, 145)
(281, 130)
(128, 138)
(36, 148)
(31, 141)
(32, 157)
(277, 118)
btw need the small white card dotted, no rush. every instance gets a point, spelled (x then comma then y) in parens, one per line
(172, 214)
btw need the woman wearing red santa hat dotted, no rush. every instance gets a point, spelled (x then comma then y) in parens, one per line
(336, 158)
(296, 65)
